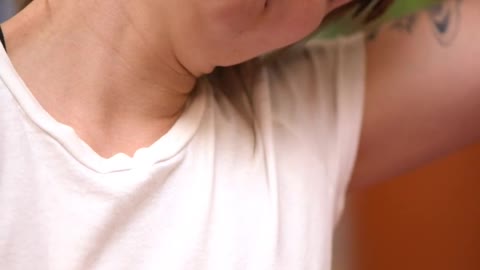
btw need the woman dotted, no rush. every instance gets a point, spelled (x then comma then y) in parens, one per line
(118, 151)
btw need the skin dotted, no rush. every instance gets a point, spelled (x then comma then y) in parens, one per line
(418, 103)
(423, 91)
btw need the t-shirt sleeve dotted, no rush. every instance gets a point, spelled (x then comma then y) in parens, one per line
(317, 90)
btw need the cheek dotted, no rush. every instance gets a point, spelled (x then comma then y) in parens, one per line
(333, 4)
(297, 27)
(235, 16)
(292, 22)
(250, 30)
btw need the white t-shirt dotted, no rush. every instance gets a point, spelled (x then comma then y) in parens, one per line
(252, 176)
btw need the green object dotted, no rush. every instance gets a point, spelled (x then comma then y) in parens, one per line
(347, 25)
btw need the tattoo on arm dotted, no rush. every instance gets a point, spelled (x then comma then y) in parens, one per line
(444, 18)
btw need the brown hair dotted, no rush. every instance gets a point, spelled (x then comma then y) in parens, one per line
(23, 3)
(366, 10)
(374, 8)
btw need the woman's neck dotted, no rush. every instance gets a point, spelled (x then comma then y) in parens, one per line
(101, 68)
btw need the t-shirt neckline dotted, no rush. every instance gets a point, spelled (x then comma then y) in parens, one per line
(165, 148)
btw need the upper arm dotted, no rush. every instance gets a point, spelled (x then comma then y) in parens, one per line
(423, 90)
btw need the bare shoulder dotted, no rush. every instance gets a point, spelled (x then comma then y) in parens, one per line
(423, 90)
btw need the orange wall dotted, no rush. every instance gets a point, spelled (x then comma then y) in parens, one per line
(428, 219)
